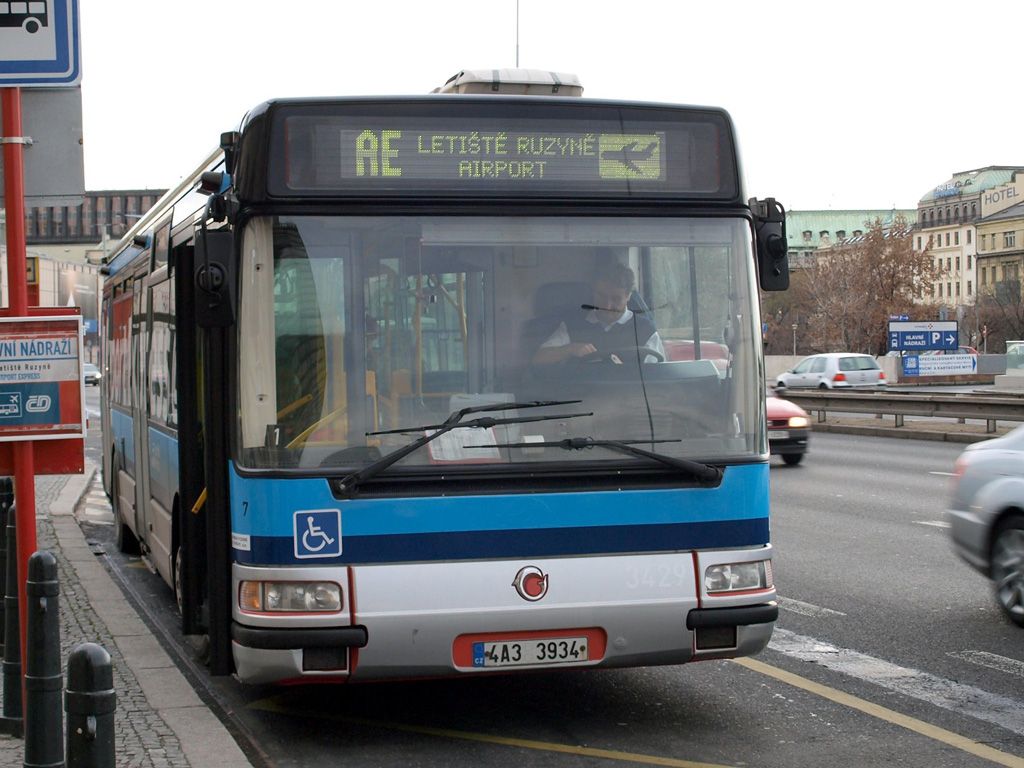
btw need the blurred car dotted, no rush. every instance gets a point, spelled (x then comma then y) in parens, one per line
(833, 370)
(788, 429)
(987, 516)
(91, 374)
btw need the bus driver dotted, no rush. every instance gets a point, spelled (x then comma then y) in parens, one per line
(607, 327)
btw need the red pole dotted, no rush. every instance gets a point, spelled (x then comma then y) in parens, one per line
(17, 289)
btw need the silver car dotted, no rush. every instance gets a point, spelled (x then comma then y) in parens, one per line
(987, 515)
(833, 370)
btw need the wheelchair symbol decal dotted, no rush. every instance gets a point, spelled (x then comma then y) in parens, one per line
(318, 533)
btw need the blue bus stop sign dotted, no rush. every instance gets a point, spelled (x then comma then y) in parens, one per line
(39, 44)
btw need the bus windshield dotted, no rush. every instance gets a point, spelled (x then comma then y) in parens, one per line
(359, 334)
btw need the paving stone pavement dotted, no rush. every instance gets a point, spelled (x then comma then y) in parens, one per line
(155, 706)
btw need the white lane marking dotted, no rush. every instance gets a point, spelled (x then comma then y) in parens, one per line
(806, 609)
(943, 474)
(992, 661)
(964, 699)
(936, 523)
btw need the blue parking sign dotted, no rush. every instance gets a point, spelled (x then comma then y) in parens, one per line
(317, 533)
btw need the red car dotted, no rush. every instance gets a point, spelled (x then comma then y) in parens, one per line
(788, 429)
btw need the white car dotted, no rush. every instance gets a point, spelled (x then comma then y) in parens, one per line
(833, 370)
(987, 516)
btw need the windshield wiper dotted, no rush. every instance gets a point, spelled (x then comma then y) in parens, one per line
(703, 472)
(454, 421)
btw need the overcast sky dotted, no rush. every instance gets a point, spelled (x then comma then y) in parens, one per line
(862, 104)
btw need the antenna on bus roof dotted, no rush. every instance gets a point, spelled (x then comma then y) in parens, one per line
(517, 34)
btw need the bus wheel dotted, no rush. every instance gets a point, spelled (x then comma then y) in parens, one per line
(126, 542)
(31, 26)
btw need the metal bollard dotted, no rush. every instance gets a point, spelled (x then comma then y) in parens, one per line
(90, 702)
(11, 721)
(43, 715)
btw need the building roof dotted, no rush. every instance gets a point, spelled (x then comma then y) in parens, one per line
(1013, 212)
(816, 222)
(970, 183)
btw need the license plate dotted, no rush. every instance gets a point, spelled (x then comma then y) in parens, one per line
(532, 652)
(778, 434)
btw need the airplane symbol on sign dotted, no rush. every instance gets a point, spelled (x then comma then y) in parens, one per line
(630, 155)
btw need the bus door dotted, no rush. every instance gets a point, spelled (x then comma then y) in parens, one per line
(136, 463)
(160, 442)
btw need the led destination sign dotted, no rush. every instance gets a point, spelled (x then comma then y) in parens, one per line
(516, 156)
(323, 154)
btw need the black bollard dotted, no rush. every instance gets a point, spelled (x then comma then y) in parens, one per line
(43, 715)
(90, 702)
(11, 721)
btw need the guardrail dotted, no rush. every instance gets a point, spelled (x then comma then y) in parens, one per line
(987, 408)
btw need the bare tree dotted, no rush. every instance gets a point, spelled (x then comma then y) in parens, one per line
(847, 294)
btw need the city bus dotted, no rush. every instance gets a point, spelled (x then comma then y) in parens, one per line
(452, 384)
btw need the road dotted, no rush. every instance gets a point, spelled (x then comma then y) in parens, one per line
(888, 651)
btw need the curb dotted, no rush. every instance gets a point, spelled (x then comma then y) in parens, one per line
(205, 741)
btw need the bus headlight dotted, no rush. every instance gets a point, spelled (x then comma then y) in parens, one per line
(290, 597)
(738, 577)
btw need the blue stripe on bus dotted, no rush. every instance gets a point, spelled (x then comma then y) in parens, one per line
(534, 542)
(123, 437)
(734, 514)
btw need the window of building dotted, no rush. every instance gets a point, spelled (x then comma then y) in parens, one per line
(940, 290)
(840, 234)
(918, 242)
(1009, 239)
(949, 263)
(958, 289)
(949, 289)
(974, 210)
(956, 213)
(968, 237)
(957, 263)
(807, 235)
(956, 237)
(823, 235)
(984, 270)
(969, 261)
(968, 287)
(857, 233)
(993, 241)
(947, 238)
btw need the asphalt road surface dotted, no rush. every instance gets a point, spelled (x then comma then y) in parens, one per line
(888, 651)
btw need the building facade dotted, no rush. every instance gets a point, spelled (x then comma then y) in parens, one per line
(948, 219)
(1001, 246)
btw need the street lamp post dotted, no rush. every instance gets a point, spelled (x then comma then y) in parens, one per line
(794, 339)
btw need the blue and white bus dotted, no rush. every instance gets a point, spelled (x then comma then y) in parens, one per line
(449, 385)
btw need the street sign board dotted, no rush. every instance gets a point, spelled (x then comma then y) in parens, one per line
(39, 43)
(55, 160)
(939, 365)
(41, 389)
(922, 336)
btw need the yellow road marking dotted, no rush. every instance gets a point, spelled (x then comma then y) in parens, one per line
(882, 713)
(272, 705)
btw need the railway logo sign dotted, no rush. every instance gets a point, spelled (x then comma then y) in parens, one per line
(317, 533)
(39, 43)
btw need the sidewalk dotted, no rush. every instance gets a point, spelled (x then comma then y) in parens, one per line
(161, 722)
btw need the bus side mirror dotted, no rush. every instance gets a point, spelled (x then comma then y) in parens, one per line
(770, 236)
(215, 279)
